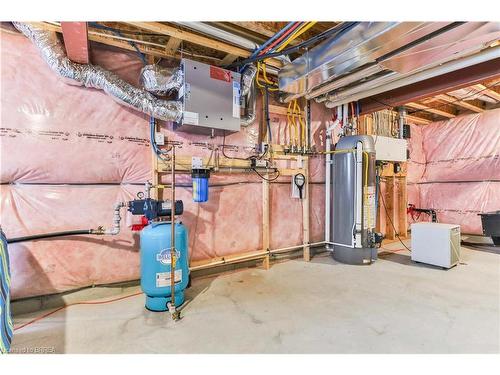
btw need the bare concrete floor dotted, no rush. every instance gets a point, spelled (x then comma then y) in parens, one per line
(392, 306)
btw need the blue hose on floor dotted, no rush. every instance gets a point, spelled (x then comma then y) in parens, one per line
(6, 326)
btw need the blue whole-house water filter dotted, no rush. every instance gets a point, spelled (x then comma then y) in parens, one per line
(156, 264)
(200, 184)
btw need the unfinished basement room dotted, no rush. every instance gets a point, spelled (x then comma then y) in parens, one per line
(249, 187)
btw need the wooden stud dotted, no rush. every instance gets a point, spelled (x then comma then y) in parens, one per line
(390, 219)
(276, 109)
(305, 213)
(265, 220)
(402, 205)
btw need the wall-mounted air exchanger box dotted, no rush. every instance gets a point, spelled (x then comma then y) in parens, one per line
(390, 149)
(210, 97)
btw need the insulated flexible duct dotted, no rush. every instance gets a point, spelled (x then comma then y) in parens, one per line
(249, 94)
(93, 76)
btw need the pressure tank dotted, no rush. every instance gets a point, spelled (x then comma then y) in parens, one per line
(353, 203)
(156, 264)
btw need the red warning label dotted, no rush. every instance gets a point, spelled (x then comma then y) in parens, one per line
(220, 74)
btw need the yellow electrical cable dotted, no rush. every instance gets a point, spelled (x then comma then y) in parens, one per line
(297, 33)
(257, 79)
(264, 74)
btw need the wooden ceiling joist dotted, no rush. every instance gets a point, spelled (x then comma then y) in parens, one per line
(201, 40)
(173, 44)
(436, 111)
(145, 47)
(417, 120)
(487, 91)
(461, 103)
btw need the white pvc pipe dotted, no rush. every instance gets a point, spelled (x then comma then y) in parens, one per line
(359, 193)
(328, 177)
(220, 34)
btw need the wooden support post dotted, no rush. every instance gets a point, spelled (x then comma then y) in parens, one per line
(389, 200)
(402, 205)
(265, 220)
(305, 213)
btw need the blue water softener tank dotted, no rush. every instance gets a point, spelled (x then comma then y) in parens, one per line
(200, 184)
(156, 264)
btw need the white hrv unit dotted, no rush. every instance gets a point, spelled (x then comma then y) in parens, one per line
(390, 149)
(435, 243)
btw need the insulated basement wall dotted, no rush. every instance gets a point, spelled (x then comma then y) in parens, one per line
(69, 153)
(461, 169)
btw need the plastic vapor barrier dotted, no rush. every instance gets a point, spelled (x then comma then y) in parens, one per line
(458, 162)
(69, 153)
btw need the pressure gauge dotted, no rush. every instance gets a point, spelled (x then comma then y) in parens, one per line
(299, 180)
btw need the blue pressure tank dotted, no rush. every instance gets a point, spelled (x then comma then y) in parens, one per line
(156, 262)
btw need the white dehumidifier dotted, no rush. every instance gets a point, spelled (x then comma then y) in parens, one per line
(436, 244)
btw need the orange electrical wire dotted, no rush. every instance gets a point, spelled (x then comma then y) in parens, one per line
(73, 304)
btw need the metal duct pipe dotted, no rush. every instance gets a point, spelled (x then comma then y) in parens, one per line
(394, 80)
(343, 81)
(93, 76)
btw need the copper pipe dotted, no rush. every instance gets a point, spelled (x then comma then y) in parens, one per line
(172, 232)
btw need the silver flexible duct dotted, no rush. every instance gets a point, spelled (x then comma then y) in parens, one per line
(160, 80)
(250, 106)
(93, 76)
(249, 93)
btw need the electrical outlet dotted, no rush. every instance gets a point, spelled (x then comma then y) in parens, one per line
(160, 139)
(196, 162)
(258, 163)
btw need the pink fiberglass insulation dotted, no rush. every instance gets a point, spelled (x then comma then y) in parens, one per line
(55, 265)
(465, 148)
(460, 203)
(416, 163)
(462, 169)
(69, 153)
